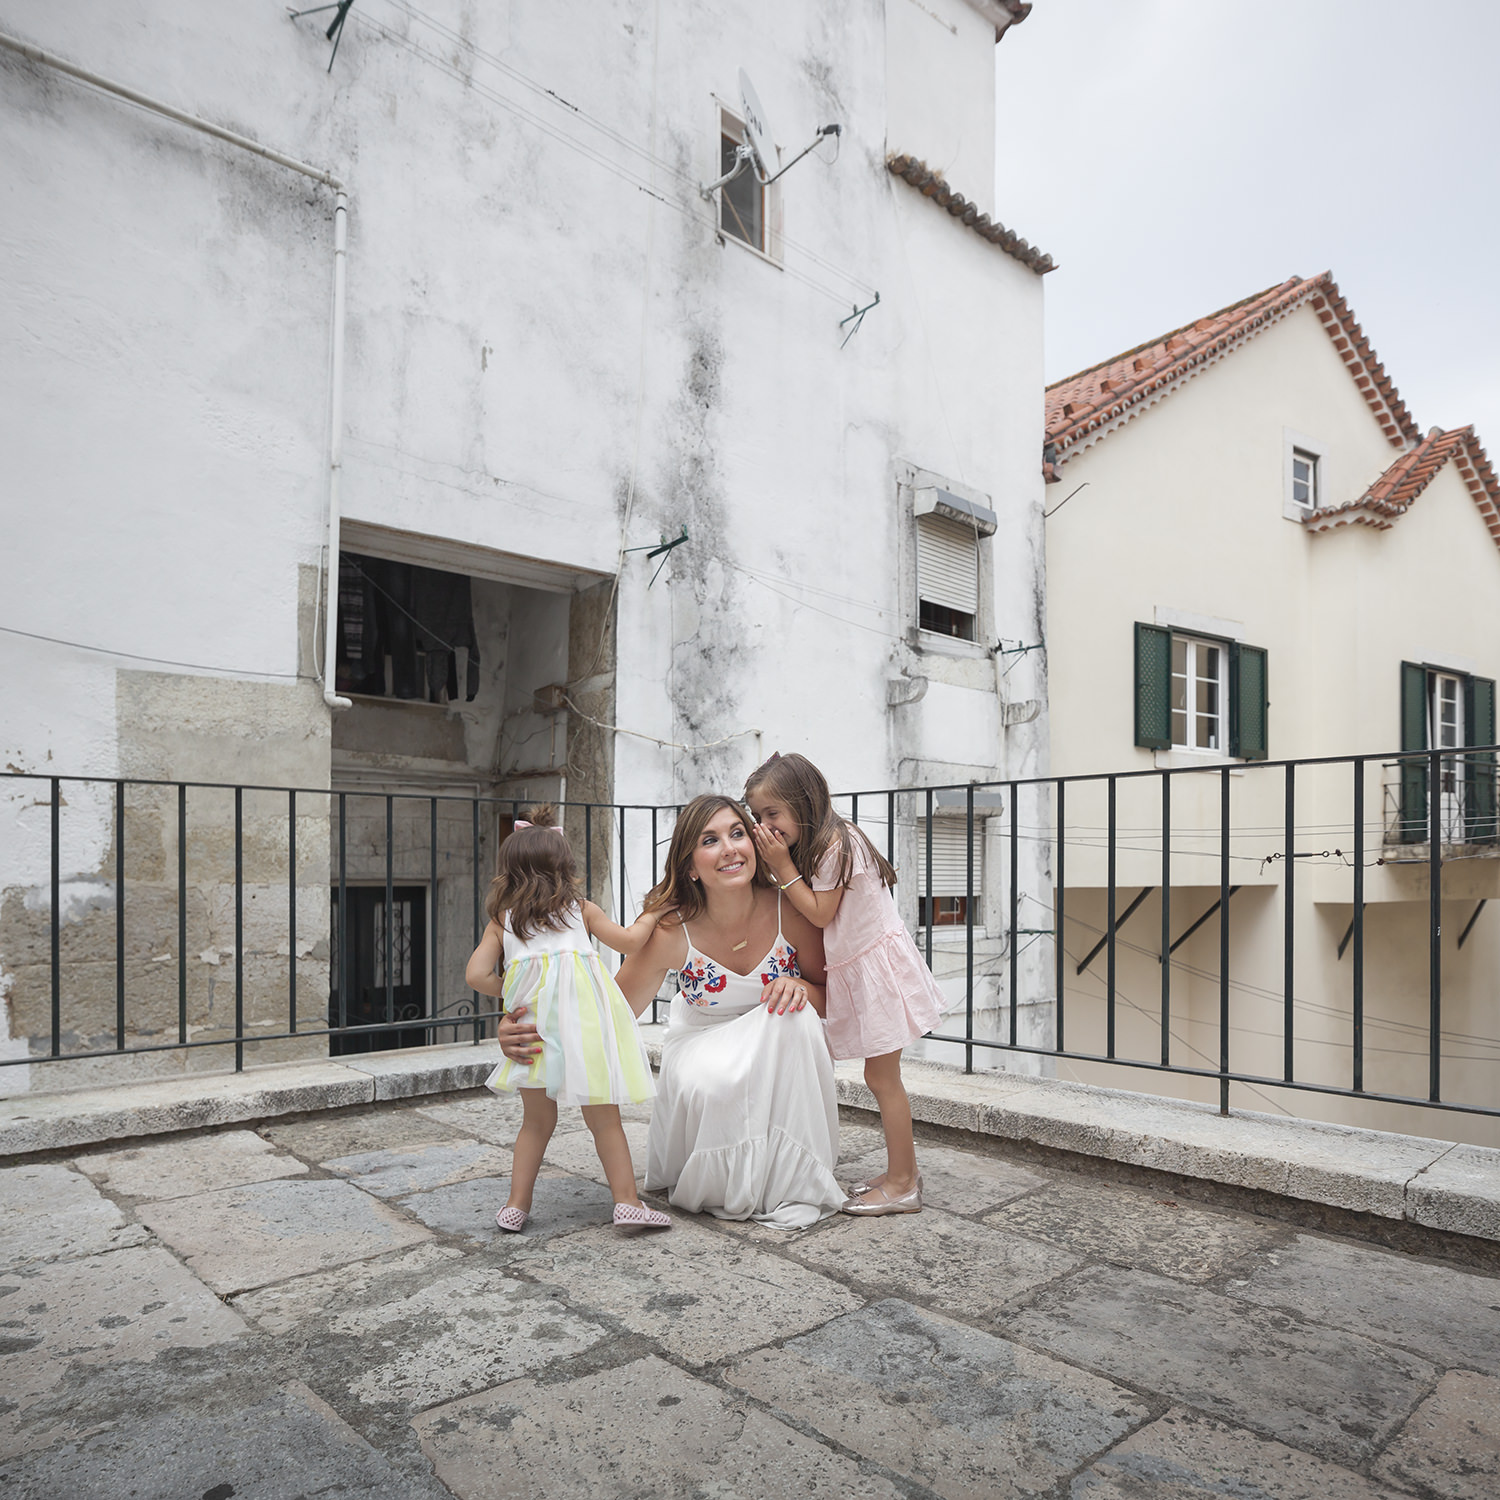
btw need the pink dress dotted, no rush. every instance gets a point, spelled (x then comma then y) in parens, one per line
(881, 996)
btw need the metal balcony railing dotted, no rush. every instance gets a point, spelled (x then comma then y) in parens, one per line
(143, 916)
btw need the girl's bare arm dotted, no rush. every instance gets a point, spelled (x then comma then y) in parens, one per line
(819, 907)
(480, 974)
(626, 940)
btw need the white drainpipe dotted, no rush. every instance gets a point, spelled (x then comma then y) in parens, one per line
(336, 374)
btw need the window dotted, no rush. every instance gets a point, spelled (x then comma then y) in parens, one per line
(951, 532)
(742, 202)
(948, 899)
(1196, 693)
(1445, 710)
(1304, 479)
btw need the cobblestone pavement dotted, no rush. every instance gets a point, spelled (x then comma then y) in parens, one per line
(324, 1308)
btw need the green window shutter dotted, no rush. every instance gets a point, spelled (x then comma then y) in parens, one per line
(1479, 770)
(1413, 737)
(1249, 706)
(1153, 687)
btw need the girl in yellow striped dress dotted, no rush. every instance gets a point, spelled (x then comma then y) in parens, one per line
(591, 1053)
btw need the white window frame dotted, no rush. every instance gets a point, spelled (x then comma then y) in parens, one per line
(1299, 446)
(1305, 477)
(1194, 649)
(922, 493)
(730, 124)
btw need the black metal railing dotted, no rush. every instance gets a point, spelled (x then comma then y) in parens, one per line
(1023, 900)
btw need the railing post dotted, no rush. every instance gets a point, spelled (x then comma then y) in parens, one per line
(1109, 932)
(1289, 920)
(1015, 908)
(56, 917)
(1358, 928)
(182, 911)
(930, 909)
(890, 827)
(588, 850)
(239, 929)
(291, 910)
(1060, 952)
(120, 916)
(1224, 941)
(1435, 928)
(390, 910)
(433, 1009)
(1166, 918)
(624, 915)
(655, 1002)
(474, 862)
(969, 930)
(343, 974)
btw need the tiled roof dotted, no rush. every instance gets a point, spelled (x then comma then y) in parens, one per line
(1086, 406)
(1392, 494)
(932, 185)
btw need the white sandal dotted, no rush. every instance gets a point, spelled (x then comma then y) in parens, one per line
(512, 1220)
(638, 1216)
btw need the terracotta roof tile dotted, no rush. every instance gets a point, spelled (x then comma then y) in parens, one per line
(932, 185)
(1391, 496)
(1085, 406)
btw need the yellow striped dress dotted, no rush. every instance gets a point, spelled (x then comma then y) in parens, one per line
(592, 1052)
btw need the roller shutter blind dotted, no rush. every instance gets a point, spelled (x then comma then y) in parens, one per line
(948, 563)
(949, 868)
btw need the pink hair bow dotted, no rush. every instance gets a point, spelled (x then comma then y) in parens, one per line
(522, 823)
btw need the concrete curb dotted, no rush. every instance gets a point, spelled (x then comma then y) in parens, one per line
(1437, 1184)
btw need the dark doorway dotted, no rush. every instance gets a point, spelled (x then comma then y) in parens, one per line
(371, 999)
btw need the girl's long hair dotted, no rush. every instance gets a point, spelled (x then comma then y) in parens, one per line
(797, 782)
(677, 889)
(536, 881)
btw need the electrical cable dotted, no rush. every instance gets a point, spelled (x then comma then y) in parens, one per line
(160, 661)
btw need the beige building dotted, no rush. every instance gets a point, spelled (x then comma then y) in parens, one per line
(1262, 558)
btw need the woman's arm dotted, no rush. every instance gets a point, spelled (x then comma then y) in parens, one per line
(819, 907)
(625, 940)
(480, 974)
(640, 976)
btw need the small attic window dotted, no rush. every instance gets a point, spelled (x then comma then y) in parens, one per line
(1304, 479)
(742, 203)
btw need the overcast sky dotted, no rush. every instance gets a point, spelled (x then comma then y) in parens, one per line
(1174, 156)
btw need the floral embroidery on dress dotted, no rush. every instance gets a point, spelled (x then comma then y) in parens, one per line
(780, 961)
(696, 980)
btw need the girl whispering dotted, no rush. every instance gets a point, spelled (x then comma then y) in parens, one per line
(591, 1053)
(881, 996)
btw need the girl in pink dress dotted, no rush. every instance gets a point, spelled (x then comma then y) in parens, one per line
(881, 996)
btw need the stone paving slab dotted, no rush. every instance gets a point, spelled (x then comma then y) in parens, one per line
(87, 1117)
(243, 1237)
(1460, 1192)
(1128, 1226)
(461, 1333)
(1449, 1316)
(106, 1309)
(1329, 1392)
(642, 1429)
(966, 1414)
(394, 1174)
(1451, 1445)
(489, 1117)
(1188, 1457)
(175, 1168)
(50, 1212)
(561, 1204)
(962, 1182)
(967, 1269)
(699, 1294)
(307, 1299)
(188, 1452)
(340, 1135)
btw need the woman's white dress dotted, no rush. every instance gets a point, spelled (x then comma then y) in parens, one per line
(746, 1123)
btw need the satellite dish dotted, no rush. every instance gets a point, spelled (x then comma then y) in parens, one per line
(757, 131)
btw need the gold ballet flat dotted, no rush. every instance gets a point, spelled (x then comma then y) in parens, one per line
(907, 1203)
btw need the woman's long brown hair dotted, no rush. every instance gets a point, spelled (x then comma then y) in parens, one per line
(797, 782)
(537, 881)
(677, 889)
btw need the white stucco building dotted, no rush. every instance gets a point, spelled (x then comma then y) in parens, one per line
(454, 316)
(1261, 555)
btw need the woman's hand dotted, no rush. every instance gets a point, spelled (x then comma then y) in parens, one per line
(783, 995)
(519, 1039)
(771, 847)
